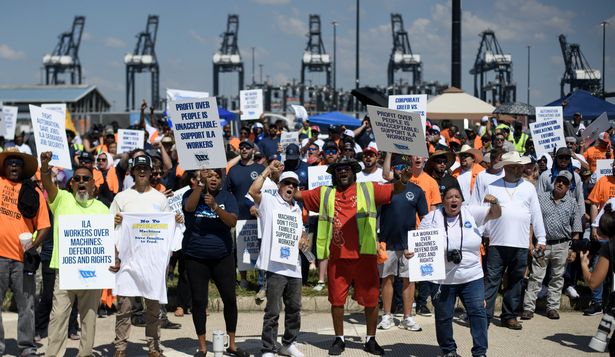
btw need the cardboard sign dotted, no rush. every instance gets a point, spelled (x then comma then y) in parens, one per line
(175, 201)
(49, 127)
(548, 135)
(129, 140)
(300, 112)
(429, 248)
(247, 238)
(251, 103)
(397, 131)
(603, 168)
(412, 103)
(86, 250)
(318, 176)
(9, 118)
(198, 135)
(549, 113)
(285, 241)
(599, 125)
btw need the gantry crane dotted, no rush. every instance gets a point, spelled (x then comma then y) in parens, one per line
(402, 56)
(65, 56)
(490, 57)
(228, 58)
(315, 58)
(143, 59)
(577, 72)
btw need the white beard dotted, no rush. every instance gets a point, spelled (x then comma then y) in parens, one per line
(82, 198)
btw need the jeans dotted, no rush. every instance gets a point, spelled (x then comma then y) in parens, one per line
(289, 290)
(514, 261)
(23, 286)
(597, 293)
(472, 296)
(425, 289)
(555, 256)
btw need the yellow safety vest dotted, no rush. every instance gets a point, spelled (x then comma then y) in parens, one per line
(366, 219)
(520, 145)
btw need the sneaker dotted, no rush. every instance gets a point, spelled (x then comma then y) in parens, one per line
(451, 354)
(166, 324)
(423, 310)
(260, 295)
(593, 310)
(373, 347)
(319, 286)
(337, 347)
(268, 354)
(290, 350)
(37, 338)
(243, 284)
(410, 324)
(74, 336)
(571, 292)
(386, 322)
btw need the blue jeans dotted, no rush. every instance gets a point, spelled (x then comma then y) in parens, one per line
(597, 292)
(472, 295)
(426, 289)
(514, 261)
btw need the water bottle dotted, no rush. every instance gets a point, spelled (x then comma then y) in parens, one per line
(220, 341)
(246, 256)
(308, 255)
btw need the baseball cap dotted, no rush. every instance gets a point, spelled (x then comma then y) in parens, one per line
(330, 145)
(142, 160)
(167, 139)
(292, 152)
(257, 125)
(349, 132)
(563, 151)
(85, 157)
(484, 119)
(289, 175)
(370, 148)
(604, 136)
(315, 127)
(565, 174)
(246, 143)
(571, 139)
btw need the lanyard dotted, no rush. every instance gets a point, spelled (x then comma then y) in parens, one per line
(446, 229)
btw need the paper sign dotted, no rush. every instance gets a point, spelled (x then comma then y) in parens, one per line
(246, 231)
(549, 113)
(413, 103)
(428, 246)
(285, 241)
(604, 167)
(175, 201)
(58, 107)
(318, 176)
(397, 131)
(49, 127)
(129, 140)
(2, 124)
(300, 112)
(548, 135)
(599, 125)
(179, 94)
(198, 135)
(251, 103)
(9, 117)
(86, 250)
(287, 138)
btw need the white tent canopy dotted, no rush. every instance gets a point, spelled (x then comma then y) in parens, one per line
(454, 103)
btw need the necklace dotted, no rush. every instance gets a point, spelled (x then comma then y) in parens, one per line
(510, 194)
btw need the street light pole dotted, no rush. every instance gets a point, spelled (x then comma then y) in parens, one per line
(260, 66)
(334, 23)
(603, 23)
(253, 81)
(528, 73)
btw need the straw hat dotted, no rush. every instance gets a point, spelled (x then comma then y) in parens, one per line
(30, 165)
(478, 155)
(450, 157)
(512, 158)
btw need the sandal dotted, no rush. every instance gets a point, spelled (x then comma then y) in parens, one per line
(179, 312)
(200, 354)
(238, 352)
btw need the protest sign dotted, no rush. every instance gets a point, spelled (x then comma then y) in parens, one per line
(175, 201)
(428, 246)
(86, 250)
(198, 135)
(300, 113)
(129, 140)
(285, 240)
(2, 124)
(247, 238)
(251, 103)
(287, 138)
(58, 107)
(50, 135)
(174, 95)
(599, 125)
(603, 168)
(9, 117)
(397, 131)
(548, 135)
(413, 103)
(318, 176)
(549, 113)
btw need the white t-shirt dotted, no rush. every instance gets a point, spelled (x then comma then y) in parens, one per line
(269, 204)
(596, 221)
(520, 208)
(465, 182)
(375, 176)
(269, 187)
(483, 179)
(24, 148)
(471, 217)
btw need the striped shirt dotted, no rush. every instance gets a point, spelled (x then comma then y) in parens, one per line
(561, 218)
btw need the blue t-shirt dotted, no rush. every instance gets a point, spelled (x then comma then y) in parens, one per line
(238, 182)
(269, 147)
(399, 216)
(206, 236)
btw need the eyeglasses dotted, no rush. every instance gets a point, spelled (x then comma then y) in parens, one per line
(330, 151)
(14, 162)
(101, 159)
(401, 167)
(290, 183)
(440, 161)
(80, 178)
(341, 169)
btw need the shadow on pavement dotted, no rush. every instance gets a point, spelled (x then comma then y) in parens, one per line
(573, 341)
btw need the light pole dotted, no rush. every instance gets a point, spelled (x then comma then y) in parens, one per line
(260, 66)
(334, 23)
(356, 77)
(603, 23)
(253, 81)
(528, 73)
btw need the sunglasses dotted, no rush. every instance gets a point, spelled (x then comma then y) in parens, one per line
(331, 152)
(340, 169)
(80, 178)
(290, 183)
(499, 139)
(156, 173)
(440, 161)
(401, 167)
(564, 157)
(101, 159)
(312, 149)
(14, 162)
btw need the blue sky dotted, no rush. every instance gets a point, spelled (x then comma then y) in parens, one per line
(189, 34)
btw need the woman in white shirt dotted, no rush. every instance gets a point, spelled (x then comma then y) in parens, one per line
(464, 274)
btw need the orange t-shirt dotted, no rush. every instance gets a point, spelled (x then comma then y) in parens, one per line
(430, 187)
(98, 178)
(345, 239)
(595, 153)
(602, 191)
(476, 169)
(160, 187)
(446, 135)
(13, 223)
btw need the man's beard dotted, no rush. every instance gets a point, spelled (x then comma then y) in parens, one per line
(82, 197)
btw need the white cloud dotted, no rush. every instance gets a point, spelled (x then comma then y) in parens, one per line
(272, 2)
(114, 42)
(292, 25)
(10, 54)
(200, 38)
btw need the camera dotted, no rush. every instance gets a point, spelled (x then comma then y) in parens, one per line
(454, 256)
(584, 245)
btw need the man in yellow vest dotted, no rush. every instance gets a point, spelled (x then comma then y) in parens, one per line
(347, 237)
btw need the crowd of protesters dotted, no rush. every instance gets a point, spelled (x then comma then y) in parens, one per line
(476, 184)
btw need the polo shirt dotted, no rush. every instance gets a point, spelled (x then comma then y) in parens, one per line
(561, 218)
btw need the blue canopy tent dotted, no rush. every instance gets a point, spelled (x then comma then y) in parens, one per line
(335, 118)
(583, 102)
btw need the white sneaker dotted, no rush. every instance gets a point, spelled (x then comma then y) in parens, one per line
(290, 350)
(571, 292)
(319, 286)
(409, 324)
(268, 354)
(386, 322)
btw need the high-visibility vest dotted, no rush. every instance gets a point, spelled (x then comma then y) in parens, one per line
(365, 215)
(520, 145)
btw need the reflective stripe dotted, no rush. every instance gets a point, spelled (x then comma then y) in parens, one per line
(367, 214)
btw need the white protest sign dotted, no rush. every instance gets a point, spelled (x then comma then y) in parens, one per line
(9, 117)
(548, 135)
(285, 240)
(549, 113)
(428, 246)
(397, 131)
(129, 140)
(198, 135)
(251, 103)
(247, 238)
(289, 137)
(49, 127)
(318, 176)
(414, 103)
(300, 112)
(604, 168)
(2, 124)
(599, 125)
(58, 107)
(174, 95)
(86, 250)
(175, 201)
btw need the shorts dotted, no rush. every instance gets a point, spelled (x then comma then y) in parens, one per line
(396, 265)
(363, 272)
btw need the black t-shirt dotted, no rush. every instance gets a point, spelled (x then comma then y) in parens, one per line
(206, 236)
(399, 216)
(238, 182)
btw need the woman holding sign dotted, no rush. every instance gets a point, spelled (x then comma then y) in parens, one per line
(464, 274)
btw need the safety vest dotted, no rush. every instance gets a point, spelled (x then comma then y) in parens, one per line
(365, 215)
(520, 145)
